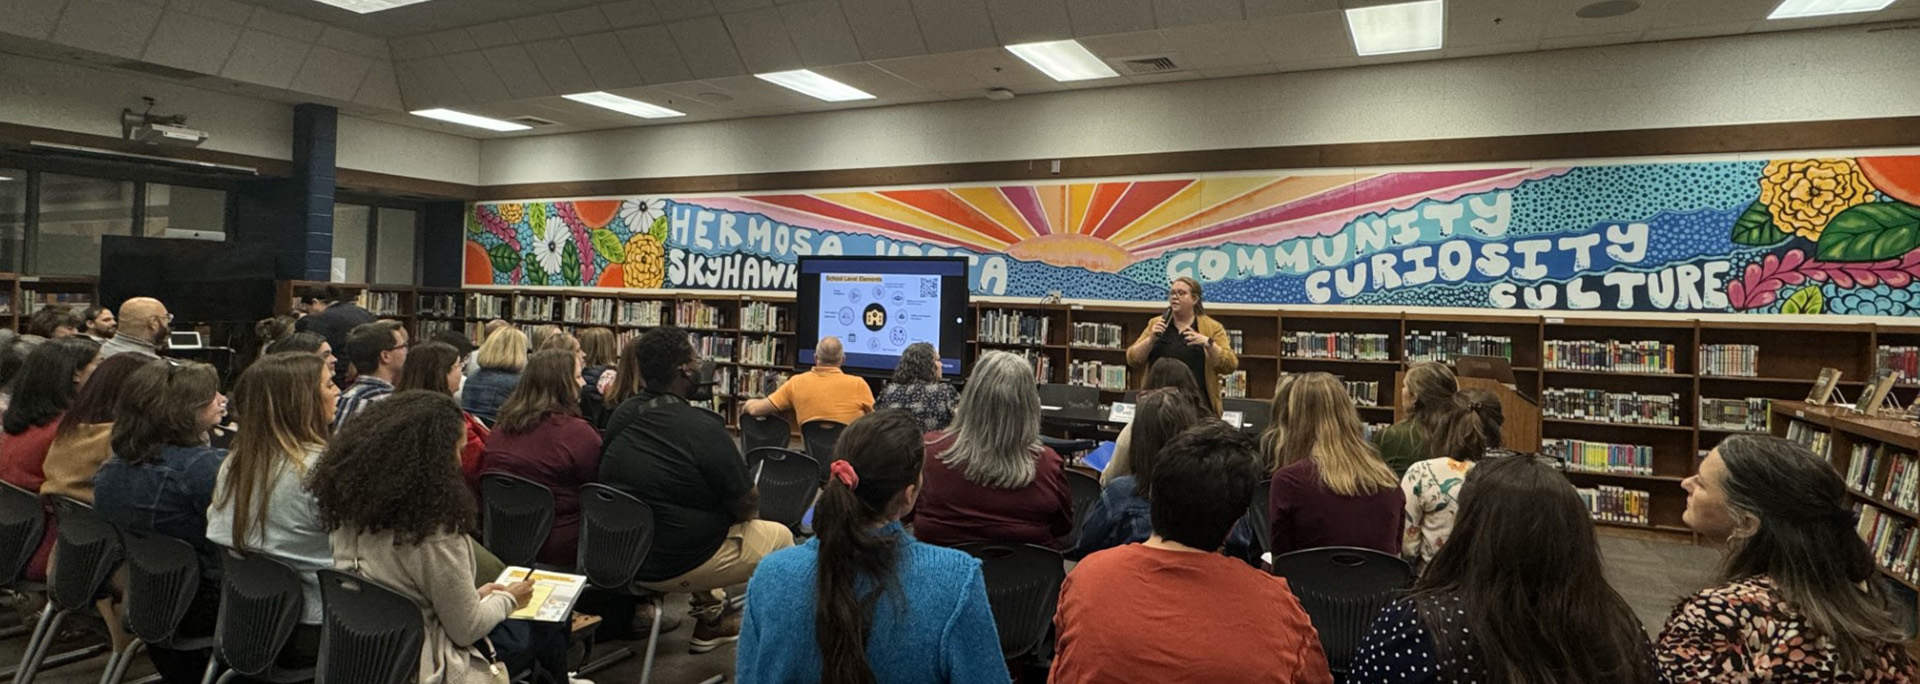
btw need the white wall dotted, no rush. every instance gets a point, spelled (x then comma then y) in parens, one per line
(1790, 76)
(369, 145)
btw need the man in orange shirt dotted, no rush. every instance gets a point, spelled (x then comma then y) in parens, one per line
(1173, 609)
(823, 393)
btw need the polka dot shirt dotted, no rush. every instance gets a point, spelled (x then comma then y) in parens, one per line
(1400, 650)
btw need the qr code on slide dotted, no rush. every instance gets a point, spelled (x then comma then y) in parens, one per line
(929, 287)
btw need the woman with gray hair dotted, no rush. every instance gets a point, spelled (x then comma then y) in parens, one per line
(987, 478)
(917, 389)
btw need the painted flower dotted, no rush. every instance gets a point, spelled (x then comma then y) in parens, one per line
(640, 213)
(547, 250)
(513, 213)
(1803, 195)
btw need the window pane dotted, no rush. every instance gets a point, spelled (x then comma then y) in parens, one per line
(188, 211)
(350, 240)
(13, 219)
(396, 234)
(75, 212)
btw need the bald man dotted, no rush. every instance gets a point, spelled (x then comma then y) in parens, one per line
(144, 326)
(823, 393)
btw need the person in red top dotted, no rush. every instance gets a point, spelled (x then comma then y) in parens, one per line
(1173, 609)
(437, 367)
(540, 436)
(42, 392)
(987, 478)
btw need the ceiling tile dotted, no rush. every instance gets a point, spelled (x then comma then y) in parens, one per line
(998, 68)
(1173, 13)
(560, 66)
(114, 27)
(652, 50)
(882, 83)
(331, 73)
(1026, 21)
(185, 41)
(1104, 17)
(820, 33)
(673, 10)
(1303, 37)
(495, 34)
(451, 41)
(31, 18)
(578, 21)
(1567, 24)
(476, 75)
(884, 28)
(536, 27)
(222, 10)
(1705, 12)
(1216, 46)
(270, 60)
(724, 6)
(708, 49)
(761, 38)
(1485, 23)
(630, 13)
(606, 61)
(379, 89)
(297, 28)
(1136, 44)
(410, 47)
(354, 42)
(516, 70)
(933, 72)
(1280, 8)
(954, 25)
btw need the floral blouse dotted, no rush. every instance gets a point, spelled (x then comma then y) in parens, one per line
(1744, 632)
(930, 402)
(1432, 489)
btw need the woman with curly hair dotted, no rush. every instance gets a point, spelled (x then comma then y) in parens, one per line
(398, 512)
(917, 389)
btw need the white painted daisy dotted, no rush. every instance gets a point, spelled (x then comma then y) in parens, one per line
(639, 213)
(547, 250)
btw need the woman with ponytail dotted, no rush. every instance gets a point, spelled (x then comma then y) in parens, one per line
(1432, 486)
(864, 602)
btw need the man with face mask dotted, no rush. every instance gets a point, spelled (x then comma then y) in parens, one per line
(144, 326)
(680, 459)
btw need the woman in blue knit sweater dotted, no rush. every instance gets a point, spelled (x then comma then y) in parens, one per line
(810, 607)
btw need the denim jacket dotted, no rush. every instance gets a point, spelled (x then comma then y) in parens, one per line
(168, 494)
(1121, 517)
(486, 391)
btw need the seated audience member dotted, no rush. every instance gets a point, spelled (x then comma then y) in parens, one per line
(399, 513)
(100, 323)
(1333, 490)
(537, 340)
(916, 388)
(542, 438)
(144, 325)
(82, 442)
(864, 602)
(680, 459)
(378, 352)
(1274, 436)
(1121, 514)
(492, 326)
(161, 479)
(333, 314)
(271, 330)
(1432, 486)
(600, 351)
(1799, 599)
(1518, 595)
(823, 393)
(285, 403)
(1431, 394)
(988, 479)
(1163, 374)
(435, 367)
(501, 359)
(43, 392)
(310, 343)
(1172, 610)
(51, 322)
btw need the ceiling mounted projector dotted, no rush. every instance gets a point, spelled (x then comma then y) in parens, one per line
(154, 129)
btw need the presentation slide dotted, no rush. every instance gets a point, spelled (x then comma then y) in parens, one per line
(879, 314)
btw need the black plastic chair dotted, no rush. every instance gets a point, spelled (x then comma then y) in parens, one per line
(23, 521)
(1085, 487)
(1343, 589)
(370, 633)
(163, 579)
(1257, 520)
(789, 481)
(261, 600)
(820, 436)
(764, 431)
(1256, 412)
(616, 533)
(89, 549)
(1068, 448)
(1069, 396)
(516, 516)
(1023, 588)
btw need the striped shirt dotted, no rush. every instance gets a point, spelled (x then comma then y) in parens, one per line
(365, 390)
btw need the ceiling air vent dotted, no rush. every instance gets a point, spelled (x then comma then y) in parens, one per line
(533, 121)
(1149, 65)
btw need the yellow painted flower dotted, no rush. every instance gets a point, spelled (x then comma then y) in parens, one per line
(513, 213)
(1804, 195)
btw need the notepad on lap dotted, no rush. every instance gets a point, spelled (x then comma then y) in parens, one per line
(554, 593)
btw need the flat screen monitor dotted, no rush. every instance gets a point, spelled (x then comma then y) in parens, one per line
(879, 305)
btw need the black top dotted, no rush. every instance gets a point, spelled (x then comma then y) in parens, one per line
(680, 460)
(1172, 344)
(339, 319)
(593, 404)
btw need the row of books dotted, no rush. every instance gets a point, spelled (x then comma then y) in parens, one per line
(486, 305)
(1892, 476)
(441, 305)
(1611, 407)
(1105, 335)
(764, 350)
(75, 301)
(1616, 504)
(1237, 341)
(723, 381)
(1602, 457)
(756, 383)
(764, 317)
(590, 310)
(1234, 385)
(1343, 345)
(1645, 356)
(535, 307)
(1445, 346)
(644, 313)
(716, 347)
(1106, 376)
(1364, 392)
(429, 326)
(1006, 326)
(1041, 363)
(1817, 440)
(6, 303)
(1730, 360)
(1892, 541)
(1900, 358)
(378, 303)
(1738, 415)
(697, 314)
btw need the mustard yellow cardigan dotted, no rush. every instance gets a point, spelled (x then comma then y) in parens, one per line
(1220, 357)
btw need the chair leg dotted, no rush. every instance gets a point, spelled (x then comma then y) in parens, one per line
(30, 667)
(117, 666)
(226, 677)
(213, 668)
(60, 659)
(33, 641)
(653, 640)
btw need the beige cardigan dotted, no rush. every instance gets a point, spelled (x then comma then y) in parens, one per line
(1220, 357)
(437, 574)
(73, 460)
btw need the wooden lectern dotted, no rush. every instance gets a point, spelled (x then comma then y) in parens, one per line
(1520, 432)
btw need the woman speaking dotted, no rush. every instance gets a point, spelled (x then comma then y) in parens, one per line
(1187, 334)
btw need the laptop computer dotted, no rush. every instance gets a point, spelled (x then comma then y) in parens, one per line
(184, 339)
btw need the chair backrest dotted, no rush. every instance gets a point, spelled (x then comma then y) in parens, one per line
(23, 520)
(1259, 412)
(516, 515)
(1085, 487)
(788, 481)
(163, 575)
(1023, 588)
(820, 436)
(370, 634)
(764, 431)
(1257, 518)
(1343, 589)
(89, 550)
(261, 599)
(1069, 396)
(616, 532)
(1131, 396)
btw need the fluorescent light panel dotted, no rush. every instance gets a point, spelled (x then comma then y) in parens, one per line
(1063, 60)
(624, 105)
(368, 6)
(1406, 27)
(473, 120)
(814, 85)
(1794, 9)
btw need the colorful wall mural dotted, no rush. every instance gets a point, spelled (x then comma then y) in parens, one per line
(1784, 236)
